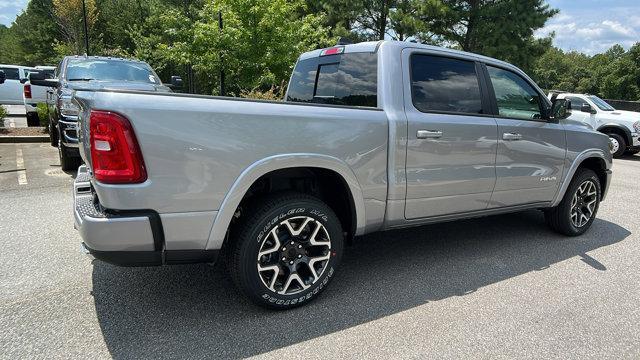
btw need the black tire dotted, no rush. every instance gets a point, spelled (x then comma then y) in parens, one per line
(53, 134)
(68, 162)
(253, 234)
(632, 152)
(33, 119)
(622, 145)
(559, 218)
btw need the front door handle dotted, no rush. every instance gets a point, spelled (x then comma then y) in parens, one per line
(429, 134)
(511, 136)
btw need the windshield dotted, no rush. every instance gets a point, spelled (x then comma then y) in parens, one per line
(110, 70)
(601, 103)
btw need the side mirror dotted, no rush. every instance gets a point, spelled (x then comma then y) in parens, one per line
(560, 109)
(3, 77)
(39, 79)
(587, 108)
(176, 82)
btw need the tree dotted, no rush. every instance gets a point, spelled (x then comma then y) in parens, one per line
(258, 46)
(497, 28)
(69, 16)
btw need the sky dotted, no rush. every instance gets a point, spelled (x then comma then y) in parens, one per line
(592, 26)
(589, 26)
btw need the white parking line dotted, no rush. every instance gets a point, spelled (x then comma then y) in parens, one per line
(22, 174)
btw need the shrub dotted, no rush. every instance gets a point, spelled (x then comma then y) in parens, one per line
(3, 114)
(274, 93)
(43, 115)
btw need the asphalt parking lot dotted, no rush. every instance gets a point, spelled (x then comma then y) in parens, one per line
(496, 287)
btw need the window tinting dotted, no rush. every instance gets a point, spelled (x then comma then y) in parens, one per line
(348, 79)
(444, 84)
(327, 81)
(516, 98)
(11, 73)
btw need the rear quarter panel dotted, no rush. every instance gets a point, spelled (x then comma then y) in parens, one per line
(195, 148)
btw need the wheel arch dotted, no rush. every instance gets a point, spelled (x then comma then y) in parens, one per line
(617, 129)
(287, 163)
(594, 159)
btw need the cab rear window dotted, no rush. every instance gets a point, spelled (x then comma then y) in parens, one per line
(346, 79)
(11, 73)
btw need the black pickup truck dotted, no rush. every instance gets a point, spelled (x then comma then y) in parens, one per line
(90, 73)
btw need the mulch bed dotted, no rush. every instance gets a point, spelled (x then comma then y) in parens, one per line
(28, 131)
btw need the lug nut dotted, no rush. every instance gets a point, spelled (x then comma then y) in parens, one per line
(284, 249)
(292, 243)
(290, 262)
(299, 246)
(284, 259)
(299, 256)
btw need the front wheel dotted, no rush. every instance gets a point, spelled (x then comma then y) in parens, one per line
(286, 251)
(67, 162)
(577, 210)
(618, 145)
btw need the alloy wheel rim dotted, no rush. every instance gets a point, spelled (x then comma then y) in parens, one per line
(293, 255)
(583, 203)
(615, 145)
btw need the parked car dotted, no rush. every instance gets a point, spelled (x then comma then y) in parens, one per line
(371, 136)
(89, 72)
(622, 127)
(11, 89)
(32, 95)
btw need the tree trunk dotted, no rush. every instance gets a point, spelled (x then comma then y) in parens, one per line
(382, 21)
(469, 38)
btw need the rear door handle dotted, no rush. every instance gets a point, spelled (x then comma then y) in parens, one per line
(511, 136)
(429, 134)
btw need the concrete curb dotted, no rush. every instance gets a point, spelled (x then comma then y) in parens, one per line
(24, 139)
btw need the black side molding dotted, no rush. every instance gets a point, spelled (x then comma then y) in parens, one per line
(154, 258)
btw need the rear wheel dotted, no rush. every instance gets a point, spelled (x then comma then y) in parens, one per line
(619, 145)
(577, 210)
(53, 134)
(33, 119)
(286, 251)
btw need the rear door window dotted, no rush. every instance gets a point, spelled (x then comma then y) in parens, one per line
(348, 79)
(440, 84)
(11, 73)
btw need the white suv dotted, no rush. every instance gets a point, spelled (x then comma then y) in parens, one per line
(623, 127)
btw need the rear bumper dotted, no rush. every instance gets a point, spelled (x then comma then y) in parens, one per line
(635, 140)
(124, 238)
(31, 108)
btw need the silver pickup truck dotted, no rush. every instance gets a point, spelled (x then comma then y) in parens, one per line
(371, 136)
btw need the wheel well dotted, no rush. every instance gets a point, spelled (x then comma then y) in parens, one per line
(616, 130)
(598, 166)
(326, 185)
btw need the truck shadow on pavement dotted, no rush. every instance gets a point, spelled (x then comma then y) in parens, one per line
(195, 312)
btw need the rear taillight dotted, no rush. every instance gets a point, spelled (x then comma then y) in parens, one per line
(115, 154)
(27, 91)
